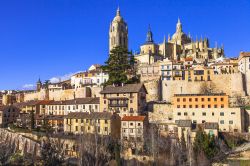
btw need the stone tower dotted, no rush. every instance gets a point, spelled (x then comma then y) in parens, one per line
(118, 32)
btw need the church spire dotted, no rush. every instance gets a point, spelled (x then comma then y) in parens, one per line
(149, 36)
(118, 11)
(179, 26)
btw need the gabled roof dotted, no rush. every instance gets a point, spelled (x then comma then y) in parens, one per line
(133, 118)
(86, 100)
(126, 88)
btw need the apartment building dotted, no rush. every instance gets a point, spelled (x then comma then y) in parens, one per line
(133, 131)
(214, 100)
(102, 123)
(212, 108)
(244, 62)
(126, 100)
(64, 107)
(199, 73)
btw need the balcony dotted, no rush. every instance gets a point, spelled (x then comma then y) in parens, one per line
(118, 105)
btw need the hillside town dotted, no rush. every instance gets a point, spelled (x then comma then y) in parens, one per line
(178, 90)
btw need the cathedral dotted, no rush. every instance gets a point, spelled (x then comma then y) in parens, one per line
(178, 47)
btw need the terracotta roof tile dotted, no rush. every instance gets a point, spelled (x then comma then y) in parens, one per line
(133, 118)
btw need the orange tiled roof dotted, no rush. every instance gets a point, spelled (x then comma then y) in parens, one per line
(133, 118)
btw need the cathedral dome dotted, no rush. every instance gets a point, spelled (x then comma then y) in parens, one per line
(179, 35)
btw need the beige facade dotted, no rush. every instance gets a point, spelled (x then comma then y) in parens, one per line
(229, 119)
(133, 131)
(129, 99)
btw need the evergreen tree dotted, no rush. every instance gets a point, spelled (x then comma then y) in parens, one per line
(119, 65)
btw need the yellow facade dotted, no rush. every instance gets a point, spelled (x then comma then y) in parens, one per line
(200, 73)
(92, 123)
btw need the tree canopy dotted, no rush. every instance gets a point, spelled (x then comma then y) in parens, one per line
(120, 66)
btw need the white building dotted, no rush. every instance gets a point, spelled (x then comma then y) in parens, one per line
(76, 105)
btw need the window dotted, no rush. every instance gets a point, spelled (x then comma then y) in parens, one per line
(131, 130)
(193, 113)
(222, 114)
(202, 99)
(82, 128)
(104, 101)
(215, 99)
(184, 106)
(222, 122)
(117, 94)
(190, 99)
(131, 124)
(178, 106)
(196, 106)
(76, 128)
(139, 124)
(231, 122)
(222, 99)
(203, 113)
(194, 121)
(196, 99)
(184, 99)
(222, 105)
(209, 106)
(215, 106)
(82, 120)
(185, 113)
(76, 120)
(131, 101)
(212, 113)
(202, 106)
(178, 99)
(106, 128)
(179, 113)
(203, 121)
(208, 99)
(190, 106)
(106, 121)
(232, 113)
(124, 123)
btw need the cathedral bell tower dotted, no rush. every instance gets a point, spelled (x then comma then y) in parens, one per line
(118, 32)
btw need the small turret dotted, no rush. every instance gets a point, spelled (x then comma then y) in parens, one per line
(38, 85)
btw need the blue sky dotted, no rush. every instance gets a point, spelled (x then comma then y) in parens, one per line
(50, 38)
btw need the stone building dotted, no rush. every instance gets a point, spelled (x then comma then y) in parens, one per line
(212, 108)
(64, 107)
(8, 115)
(102, 123)
(133, 131)
(128, 99)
